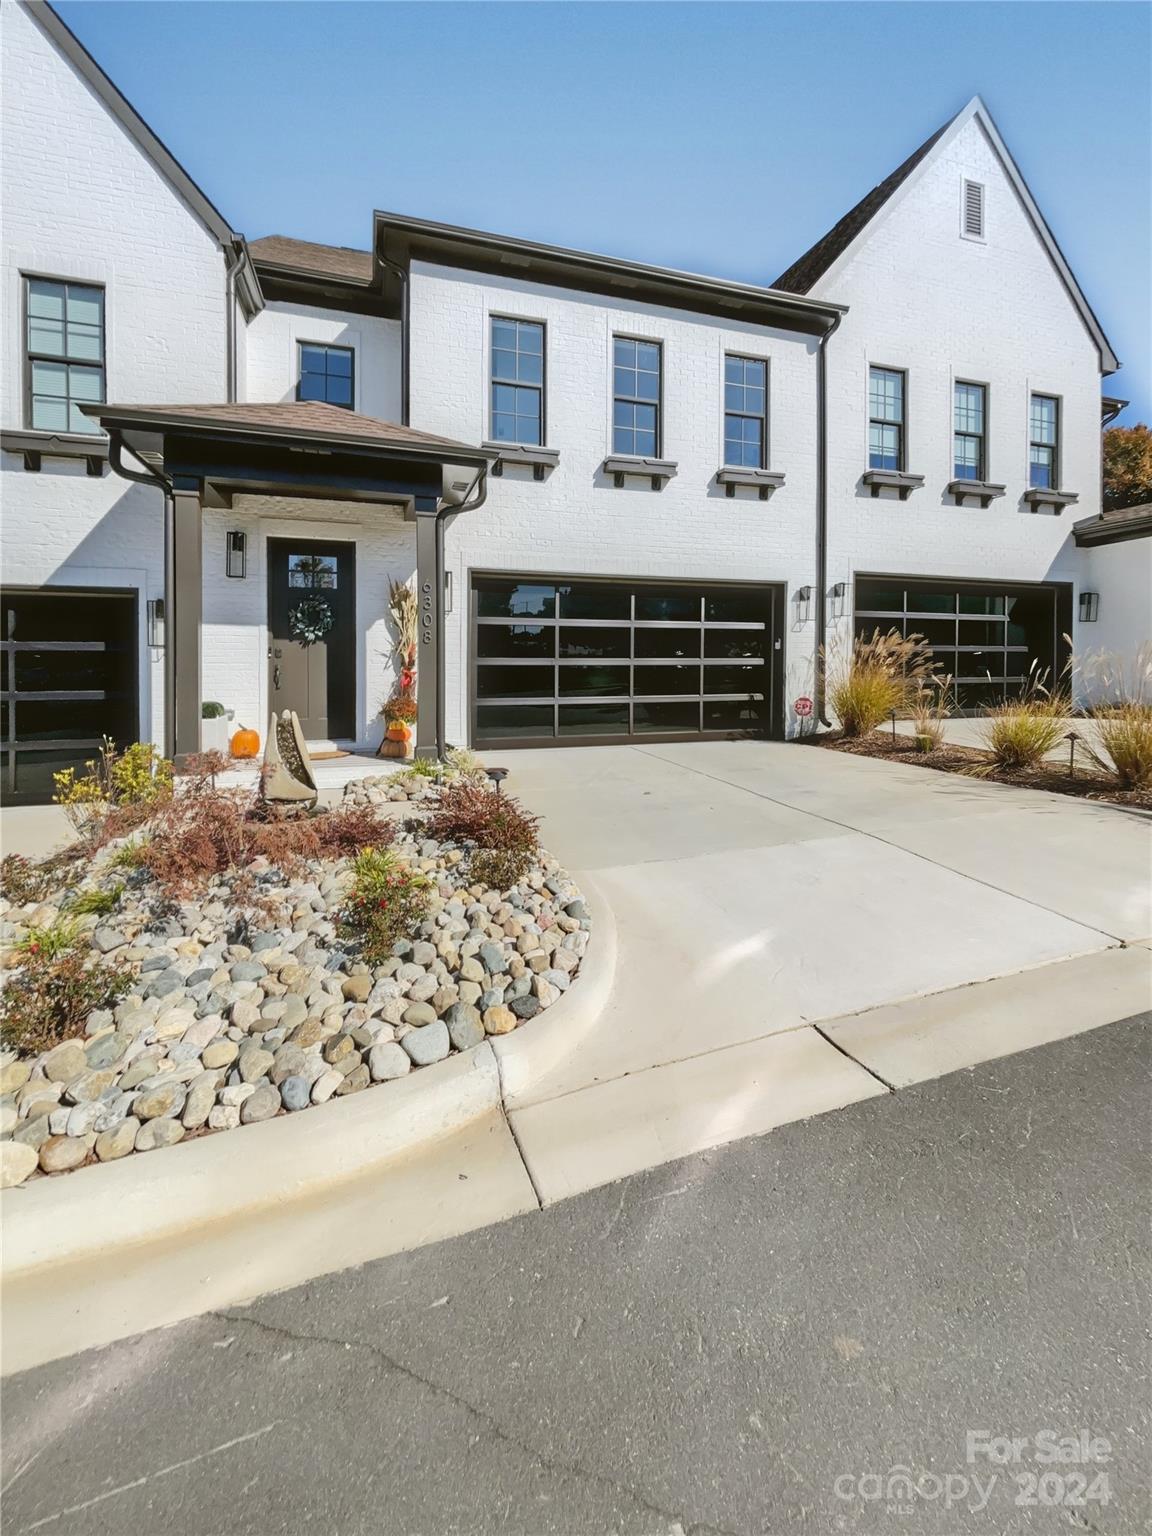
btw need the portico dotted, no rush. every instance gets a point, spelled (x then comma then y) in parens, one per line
(225, 458)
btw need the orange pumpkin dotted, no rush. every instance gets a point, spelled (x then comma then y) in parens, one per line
(398, 730)
(245, 743)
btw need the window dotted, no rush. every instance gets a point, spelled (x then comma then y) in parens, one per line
(745, 411)
(885, 418)
(1043, 446)
(65, 354)
(972, 217)
(326, 373)
(635, 397)
(518, 381)
(312, 571)
(968, 427)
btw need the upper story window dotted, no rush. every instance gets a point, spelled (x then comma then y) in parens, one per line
(745, 412)
(635, 397)
(65, 351)
(326, 373)
(886, 418)
(1044, 442)
(968, 416)
(518, 381)
(972, 210)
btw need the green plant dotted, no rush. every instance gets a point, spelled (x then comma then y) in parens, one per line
(52, 939)
(23, 881)
(460, 761)
(1020, 733)
(138, 777)
(51, 995)
(419, 768)
(96, 902)
(401, 706)
(881, 675)
(387, 902)
(129, 855)
(1124, 734)
(496, 825)
(930, 706)
(211, 710)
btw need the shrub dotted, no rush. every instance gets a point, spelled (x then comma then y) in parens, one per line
(418, 768)
(129, 855)
(22, 881)
(495, 824)
(881, 675)
(50, 997)
(1020, 733)
(139, 777)
(95, 902)
(467, 765)
(388, 901)
(51, 940)
(401, 707)
(930, 706)
(211, 710)
(1124, 732)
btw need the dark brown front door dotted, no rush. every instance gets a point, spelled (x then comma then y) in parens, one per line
(312, 634)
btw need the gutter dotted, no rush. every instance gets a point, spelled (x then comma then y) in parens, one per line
(401, 274)
(231, 268)
(821, 660)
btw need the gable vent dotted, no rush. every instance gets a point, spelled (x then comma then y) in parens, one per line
(974, 210)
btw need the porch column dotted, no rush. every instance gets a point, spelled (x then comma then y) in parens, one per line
(183, 593)
(430, 610)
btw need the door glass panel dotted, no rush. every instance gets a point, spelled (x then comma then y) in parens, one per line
(930, 600)
(667, 716)
(733, 714)
(1030, 623)
(513, 720)
(593, 682)
(514, 640)
(594, 719)
(974, 602)
(982, 632)
(981, 664)
(736, 605)
(735, 642)
(666, 604)
(515, 600)
(935, 631)
(312, 570)
(668, 642)
(595, 600)
(517, 682)
(587, 640)
(726, 679)
(661, 679)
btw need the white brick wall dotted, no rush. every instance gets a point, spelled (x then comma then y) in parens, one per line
(273, 339)
(81, 201)
(576, 521)
(1122, 575)
(923, 299)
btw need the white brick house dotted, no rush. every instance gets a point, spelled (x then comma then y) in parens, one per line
(633, 500)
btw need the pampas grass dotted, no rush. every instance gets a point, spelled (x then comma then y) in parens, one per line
(883, 673)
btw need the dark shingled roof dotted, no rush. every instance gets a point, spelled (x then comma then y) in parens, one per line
(334, 261)
(802, 274)
(1115, 526)
(295, 418)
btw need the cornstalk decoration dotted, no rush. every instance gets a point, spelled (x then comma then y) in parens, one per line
(405, 621)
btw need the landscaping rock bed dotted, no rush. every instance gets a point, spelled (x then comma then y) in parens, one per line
(241, 1010)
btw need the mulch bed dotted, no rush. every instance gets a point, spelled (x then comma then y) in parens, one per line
(1088, 784)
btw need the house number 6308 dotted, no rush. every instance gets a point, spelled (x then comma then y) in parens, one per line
(426, 613)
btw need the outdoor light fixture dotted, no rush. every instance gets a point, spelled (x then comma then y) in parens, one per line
(236, 559)
(837, 595)
(1089, 607)
(156, 622)
(496, 775)
(447, 592)
(803, 603)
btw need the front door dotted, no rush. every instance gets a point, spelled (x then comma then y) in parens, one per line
(312, 634)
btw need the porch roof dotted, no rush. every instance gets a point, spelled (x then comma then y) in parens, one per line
(286, 422)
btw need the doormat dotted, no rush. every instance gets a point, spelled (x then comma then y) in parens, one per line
(327, 757)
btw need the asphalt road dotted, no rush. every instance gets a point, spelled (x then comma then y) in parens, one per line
(753, 1341)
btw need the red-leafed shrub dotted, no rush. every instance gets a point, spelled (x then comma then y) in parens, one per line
(505, 836)
(388, 901)
(50, 997)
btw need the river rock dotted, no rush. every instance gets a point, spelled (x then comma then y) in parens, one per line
(59, 1153)
(164, 1132)
(17, 1161)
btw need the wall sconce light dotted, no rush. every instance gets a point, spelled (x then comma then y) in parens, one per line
(236, 559)
(1089, 607)
(803, 604)
(447, 591)
(837, 594)
(156, 622)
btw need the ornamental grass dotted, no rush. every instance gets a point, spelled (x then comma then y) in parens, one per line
(882, 675)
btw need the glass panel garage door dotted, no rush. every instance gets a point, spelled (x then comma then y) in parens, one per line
(580, 661)
(992, 640)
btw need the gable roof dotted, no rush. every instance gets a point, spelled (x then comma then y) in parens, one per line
(1115, 526)
(149, 143)
(305, 256)
(819, 260)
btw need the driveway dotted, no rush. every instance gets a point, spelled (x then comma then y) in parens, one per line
(759, 889)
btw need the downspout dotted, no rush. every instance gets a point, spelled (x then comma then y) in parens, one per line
(822, 523)
(231, 269)
(442, 517)
(405, 312)
(155, 478)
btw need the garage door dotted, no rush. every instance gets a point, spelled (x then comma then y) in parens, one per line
(69, 680)
(566, 662)
(991, 638)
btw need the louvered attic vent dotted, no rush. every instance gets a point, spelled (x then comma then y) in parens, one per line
(974, 210)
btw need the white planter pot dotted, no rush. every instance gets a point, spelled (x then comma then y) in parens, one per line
(215, 735)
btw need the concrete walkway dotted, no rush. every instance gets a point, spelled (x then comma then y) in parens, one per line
(760, 890)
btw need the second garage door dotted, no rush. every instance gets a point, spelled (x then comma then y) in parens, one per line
(569, 661)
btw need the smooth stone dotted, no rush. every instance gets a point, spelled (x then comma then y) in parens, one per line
(202, 1032)
(289, 1061)
(17, 1161)
(424, 990)
(108, 1049)
(82, 1119)
(200, 1101)
(388, 1060)
(261, 1105)
(106, 940)
(34, 1132)
(492, 958)
(338, 1048)
(89, 1085)
(499, 1021)
(355, 1080)
(546, 993)
(164, 1132)
(224, 1117)
(117, 1141)
(9, 1119)
(429, 1044)
(65, 1062)
(421, 1015)
(14, 1074)
(357, 989)
(326, 1085)
(248, 970)
(221, 1053)
(161, 1102)
(525, 1007)
(296, 1093)
(254, 1063)
(465, 1026)
(59, 1153)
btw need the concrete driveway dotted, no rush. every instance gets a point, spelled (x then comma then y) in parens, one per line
(761, 889)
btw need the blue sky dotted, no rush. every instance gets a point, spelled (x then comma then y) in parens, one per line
(723, 138)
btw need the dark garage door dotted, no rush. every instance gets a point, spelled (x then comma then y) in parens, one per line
(991, 638)
(69, 680)
(567, 661)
